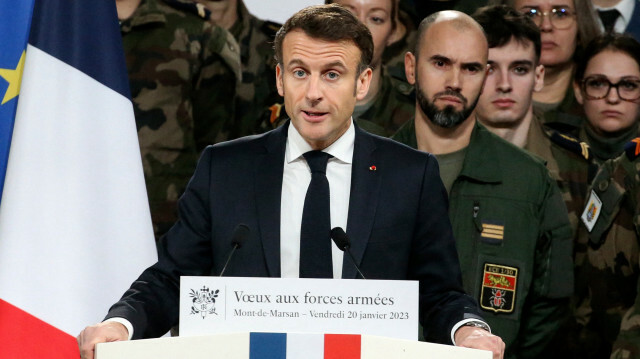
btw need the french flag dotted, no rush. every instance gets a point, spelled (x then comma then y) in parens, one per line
(75, 228)
(307, 346)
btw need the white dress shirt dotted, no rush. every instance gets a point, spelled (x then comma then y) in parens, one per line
(295, 181)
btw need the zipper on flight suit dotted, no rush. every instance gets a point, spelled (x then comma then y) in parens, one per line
(476, 220)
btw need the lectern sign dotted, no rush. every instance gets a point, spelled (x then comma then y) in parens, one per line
(210, 305)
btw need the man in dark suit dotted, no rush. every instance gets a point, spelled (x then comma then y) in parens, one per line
(389, 198)
(619, 16)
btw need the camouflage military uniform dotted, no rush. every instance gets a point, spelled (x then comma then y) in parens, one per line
(513, 239)
(392, 107)
(568, 162)
(258, 89)
(393, 55)
(605, 148)
(569, 118)
(607, 266)
(178, 67)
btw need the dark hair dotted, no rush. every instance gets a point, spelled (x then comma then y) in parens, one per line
(502, 23)
(329, 23)
(608, 41)
(394, 11)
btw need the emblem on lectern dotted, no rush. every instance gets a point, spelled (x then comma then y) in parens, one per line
(204, 301)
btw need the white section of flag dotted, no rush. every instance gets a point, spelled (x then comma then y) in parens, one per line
(302, 345)
(75, 228)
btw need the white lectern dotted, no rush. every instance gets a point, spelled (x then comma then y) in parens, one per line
(280, 346)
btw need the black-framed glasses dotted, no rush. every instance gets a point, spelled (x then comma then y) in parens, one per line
(598, 87)
(561, 17)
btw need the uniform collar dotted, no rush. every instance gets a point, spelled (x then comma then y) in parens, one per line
(148, 12)
(242, 26)
(482, 161)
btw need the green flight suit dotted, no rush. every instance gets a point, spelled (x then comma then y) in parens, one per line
(514, 240)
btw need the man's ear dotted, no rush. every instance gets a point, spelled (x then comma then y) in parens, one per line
(279, 81)
(577, 92)
(410, 67)
(539, 78)
(362, 84)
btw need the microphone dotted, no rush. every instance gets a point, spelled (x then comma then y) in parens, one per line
(240, 234)
(344, 244)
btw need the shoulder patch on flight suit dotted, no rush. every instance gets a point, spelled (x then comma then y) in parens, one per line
(275, 112)
(632, 149)
(498, 292)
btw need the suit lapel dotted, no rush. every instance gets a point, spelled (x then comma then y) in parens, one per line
(363, 200)
(268, 188)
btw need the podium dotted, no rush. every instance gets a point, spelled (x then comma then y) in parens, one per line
(280, 346)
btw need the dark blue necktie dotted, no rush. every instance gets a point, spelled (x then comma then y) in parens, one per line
(315, 240)
(608, 18)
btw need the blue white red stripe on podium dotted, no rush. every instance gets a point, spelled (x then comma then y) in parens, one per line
(307, 346)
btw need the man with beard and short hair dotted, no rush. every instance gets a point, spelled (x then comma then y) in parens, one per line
(511, 227)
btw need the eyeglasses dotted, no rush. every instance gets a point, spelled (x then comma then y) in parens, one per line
(560, 17)
(598, 87)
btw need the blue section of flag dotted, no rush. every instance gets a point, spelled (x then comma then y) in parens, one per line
(74, 43)
(15, 17)
(267, 346)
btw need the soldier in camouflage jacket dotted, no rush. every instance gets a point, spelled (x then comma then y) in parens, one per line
(607, 269)
(257, 90)
(182, 73)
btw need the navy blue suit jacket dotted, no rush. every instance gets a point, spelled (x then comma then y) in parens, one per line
(633, 27)
(398, 225)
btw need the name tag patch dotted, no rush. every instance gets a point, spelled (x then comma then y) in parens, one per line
(591, 211)
(498, 291)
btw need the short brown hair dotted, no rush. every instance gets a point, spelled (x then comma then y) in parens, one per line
(502, 23)
(330, 23)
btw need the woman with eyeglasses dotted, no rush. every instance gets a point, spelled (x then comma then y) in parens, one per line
(607, 85)
(565, 27)
(607, 253)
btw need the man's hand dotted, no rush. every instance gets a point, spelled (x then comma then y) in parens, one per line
(100, 333)
(477, 338)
